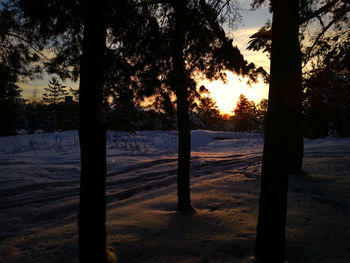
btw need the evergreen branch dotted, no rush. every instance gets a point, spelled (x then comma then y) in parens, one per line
(321, 34)
(27, 42)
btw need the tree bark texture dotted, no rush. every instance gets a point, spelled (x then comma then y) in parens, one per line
(92, 134)
(180, 87)
(283, 140)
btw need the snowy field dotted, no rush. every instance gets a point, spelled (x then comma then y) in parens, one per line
(39, 188)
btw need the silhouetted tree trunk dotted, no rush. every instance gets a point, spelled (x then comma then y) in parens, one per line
(283, 117)
(180, 87)
(92, 133)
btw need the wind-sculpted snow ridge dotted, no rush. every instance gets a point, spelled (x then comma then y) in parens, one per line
(39, 198)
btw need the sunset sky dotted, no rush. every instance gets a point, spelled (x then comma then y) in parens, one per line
(225, 94)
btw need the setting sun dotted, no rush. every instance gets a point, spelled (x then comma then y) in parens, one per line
(226, 94)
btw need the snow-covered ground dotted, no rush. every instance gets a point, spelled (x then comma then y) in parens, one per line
(39, 188)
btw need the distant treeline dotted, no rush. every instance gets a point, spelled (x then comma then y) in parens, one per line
(326, 112)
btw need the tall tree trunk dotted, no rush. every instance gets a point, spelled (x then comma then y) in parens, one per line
(92, 134)
(179, 83)
(281, 128)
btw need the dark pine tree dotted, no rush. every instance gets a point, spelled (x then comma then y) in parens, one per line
(19, 50)
(92, 134)
(282, 119)
(59, 25)
(329, 48)
(146, 67)
(180, 87)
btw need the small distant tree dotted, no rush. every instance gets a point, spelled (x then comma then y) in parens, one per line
(245, 117)
(55, 92)
(207, 109)
(75, 93)
(261, 108)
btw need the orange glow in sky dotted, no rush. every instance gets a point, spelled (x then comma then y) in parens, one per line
(226, 94)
